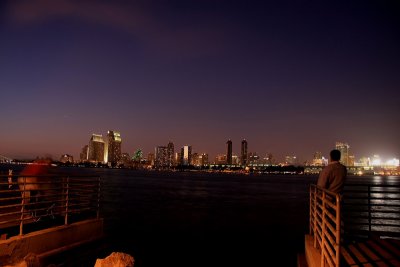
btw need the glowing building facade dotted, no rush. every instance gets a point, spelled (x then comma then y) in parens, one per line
(186, 155)
(161, 158)
(96, 148)
(83, 156)
(344, 152)
(113, 147)
(170, 154)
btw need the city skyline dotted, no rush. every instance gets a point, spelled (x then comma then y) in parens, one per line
(291, 78)
(99, 149)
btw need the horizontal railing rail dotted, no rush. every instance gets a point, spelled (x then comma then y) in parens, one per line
(363, 211)
(370, 209)
(28, 199)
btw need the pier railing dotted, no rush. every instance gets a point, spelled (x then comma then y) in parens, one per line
(46, 200)
(365, 212)
(325, 224)
(371, 210)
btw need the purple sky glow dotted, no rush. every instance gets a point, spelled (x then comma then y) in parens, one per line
(291, 77)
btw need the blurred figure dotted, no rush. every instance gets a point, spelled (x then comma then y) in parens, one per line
(34, 184)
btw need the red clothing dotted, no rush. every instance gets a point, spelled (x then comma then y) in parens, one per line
(332, 177)
(35, 169)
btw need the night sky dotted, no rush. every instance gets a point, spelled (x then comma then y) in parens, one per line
(291, 77)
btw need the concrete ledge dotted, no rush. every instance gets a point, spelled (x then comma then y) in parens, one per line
(50, 241)
(313, 255)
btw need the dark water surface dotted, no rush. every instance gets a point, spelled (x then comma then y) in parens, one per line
(203, 219)
(193, 219)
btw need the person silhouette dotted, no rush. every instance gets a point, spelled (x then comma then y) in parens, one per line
(333, 176)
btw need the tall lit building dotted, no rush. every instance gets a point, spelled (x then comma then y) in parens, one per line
(243, 153)
(220, 159)
(317, 159)
(229, 152)
(170, 154)
(235, 160)
(186, 155)
(254, 158)
(203, 159)
(195, 159)
(161, 160)
(344, 152)
(114, 147)
(96, 148)
(84, 153)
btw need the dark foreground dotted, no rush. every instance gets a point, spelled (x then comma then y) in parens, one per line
(198, 219)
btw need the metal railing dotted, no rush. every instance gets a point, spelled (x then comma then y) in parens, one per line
(325, 224)
(371, 210)
(365, 210)
(47, 198)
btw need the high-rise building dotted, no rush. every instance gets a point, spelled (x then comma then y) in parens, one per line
(170, 154)
(229, 152)
(126, 159)
(186, 155)
(203, 159)
(195, 159)
(254, 158)
(220, 159)
(317, 159)
(235, 160)
(84, 153)
(96, 148)
(161, 160)
(243, 153)
(113, 147)
(344, 151)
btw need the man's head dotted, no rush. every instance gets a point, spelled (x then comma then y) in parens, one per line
(335, 155)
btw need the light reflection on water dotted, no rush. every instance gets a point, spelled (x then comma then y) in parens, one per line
(373, 204)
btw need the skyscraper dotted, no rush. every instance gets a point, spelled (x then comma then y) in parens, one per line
(84, 153)
(114, 147)
(229, 152)
(344, 151)
(96, 148)
(161, 160)
(186, 155)
(243, 153)
(204, 159)
(170, 154)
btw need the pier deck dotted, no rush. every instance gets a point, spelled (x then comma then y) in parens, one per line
(371, 236)
(371, 252)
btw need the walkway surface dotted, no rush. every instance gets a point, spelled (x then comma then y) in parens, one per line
(371, 252)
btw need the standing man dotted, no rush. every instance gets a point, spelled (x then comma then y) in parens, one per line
(333, 176)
